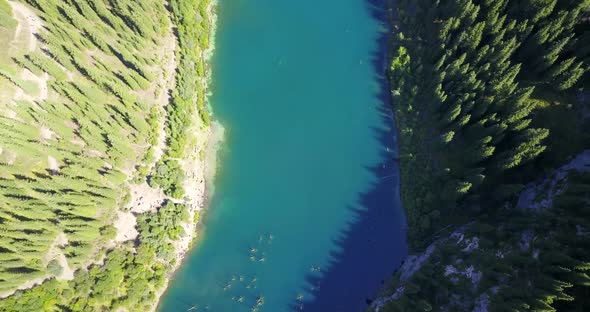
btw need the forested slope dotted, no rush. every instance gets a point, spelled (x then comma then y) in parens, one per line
(90, 114)
(490, 96)
(75, 126)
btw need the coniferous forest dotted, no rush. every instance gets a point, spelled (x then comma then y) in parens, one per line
(491, 100)
(88, 115)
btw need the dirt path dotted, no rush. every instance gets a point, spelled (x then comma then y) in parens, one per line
(53, 253)
(28, 20)
(56, 253)
(19, 27)
(29, 24)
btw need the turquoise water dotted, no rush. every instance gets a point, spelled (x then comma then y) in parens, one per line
(297, 89)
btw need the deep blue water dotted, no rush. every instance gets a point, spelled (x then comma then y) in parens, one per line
(306, 213)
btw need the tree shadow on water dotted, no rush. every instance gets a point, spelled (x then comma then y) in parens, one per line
(374, 244)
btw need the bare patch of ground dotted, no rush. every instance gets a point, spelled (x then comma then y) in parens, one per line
(55, 253)
(11, 114)
(539, 195)
(144, 198)
(78, 142)
(125, 225)
(53, 165)
(10, 156)
(19, 94)
(27, 21)
(41, 81)
(72, 125)
(46, 134)
(94, 153)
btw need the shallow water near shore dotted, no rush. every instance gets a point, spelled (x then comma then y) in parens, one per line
(306, 214)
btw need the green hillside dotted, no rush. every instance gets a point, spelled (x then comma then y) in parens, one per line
(75, 126)
(490, 98)
(85, 117)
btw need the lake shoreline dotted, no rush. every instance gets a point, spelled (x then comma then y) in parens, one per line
(384, 213)
(199, 167)
(233, 266)
(380, 297)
